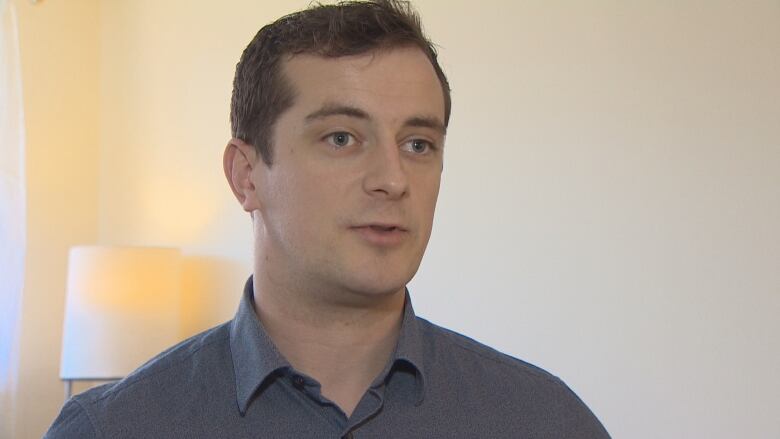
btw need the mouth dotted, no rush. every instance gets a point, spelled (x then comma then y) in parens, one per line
(380, 226)
(382, 235)
(384, 228)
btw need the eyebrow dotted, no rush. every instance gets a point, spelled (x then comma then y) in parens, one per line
(426, 122)
(337, 110)
(332, 109)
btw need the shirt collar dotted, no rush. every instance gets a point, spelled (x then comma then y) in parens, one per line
(256, 358)
(409, 349)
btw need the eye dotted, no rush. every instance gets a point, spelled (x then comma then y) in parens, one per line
(340, 139)
(418, 146)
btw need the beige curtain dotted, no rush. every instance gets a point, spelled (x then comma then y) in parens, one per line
(12, 212)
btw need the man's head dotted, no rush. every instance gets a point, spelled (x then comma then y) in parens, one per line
(261, 92)
(353, 109)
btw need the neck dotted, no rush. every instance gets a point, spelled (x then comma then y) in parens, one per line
(342, 344)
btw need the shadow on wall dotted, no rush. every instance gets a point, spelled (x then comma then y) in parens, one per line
(211, 290)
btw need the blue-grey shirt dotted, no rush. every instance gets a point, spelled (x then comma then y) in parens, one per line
(232, 382)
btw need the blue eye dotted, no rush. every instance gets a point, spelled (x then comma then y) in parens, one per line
(340, 139)
(418, 146)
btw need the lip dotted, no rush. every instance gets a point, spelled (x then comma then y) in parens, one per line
(382, 234)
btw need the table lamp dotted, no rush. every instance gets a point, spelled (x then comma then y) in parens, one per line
(122, 308)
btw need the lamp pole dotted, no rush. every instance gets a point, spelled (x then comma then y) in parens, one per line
(69, 383)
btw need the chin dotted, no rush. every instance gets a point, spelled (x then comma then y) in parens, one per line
(378, 284)
(377, 289)
(373, 277)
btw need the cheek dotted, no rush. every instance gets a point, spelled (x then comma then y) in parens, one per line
(305, 205)
(430, 192)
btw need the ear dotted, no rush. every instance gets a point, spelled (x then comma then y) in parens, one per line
(238, 162)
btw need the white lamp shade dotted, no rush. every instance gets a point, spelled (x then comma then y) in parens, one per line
(122, 308)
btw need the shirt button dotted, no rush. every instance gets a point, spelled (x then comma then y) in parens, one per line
(298, 382)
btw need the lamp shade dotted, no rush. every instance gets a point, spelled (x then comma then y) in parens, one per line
(122, 308)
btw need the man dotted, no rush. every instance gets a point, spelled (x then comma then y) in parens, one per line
(339, 115)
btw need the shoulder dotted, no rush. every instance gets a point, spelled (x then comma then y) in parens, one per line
(161, 383)
(500, 389)
(72, 422)
(169, 369)
(466, 353)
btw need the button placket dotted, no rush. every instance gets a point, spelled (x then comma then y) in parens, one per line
(298, 382)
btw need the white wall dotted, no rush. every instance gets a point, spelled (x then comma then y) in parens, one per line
(58, 52)
(610, 203)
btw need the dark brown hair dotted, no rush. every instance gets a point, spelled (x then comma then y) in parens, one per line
(260, 91)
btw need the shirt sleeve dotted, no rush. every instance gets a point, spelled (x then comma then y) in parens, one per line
(72, 423)
(580, 422)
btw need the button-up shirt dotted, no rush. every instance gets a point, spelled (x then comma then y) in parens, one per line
(232, 382)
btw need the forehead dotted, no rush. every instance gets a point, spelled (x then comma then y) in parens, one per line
(394, 82)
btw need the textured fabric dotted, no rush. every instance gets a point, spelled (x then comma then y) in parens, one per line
(231, 381)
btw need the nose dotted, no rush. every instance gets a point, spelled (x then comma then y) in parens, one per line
(386, 175)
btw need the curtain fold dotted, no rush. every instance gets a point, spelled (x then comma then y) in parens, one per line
(12, 212)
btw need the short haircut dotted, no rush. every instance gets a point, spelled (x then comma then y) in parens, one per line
(261, 93)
